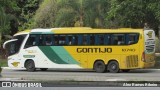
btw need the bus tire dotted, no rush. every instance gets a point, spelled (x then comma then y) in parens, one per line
(30, 66)
(43, 69)
(99, 67)
(125, 70)
(113, 67)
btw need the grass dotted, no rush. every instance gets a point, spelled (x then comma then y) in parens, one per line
(3, 62)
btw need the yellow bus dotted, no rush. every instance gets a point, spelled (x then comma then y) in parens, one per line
(82, 48)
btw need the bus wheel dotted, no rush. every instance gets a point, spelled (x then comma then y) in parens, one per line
(113, 67)
(30, 66)
(100, 67)
(43, 69)
(125, 70)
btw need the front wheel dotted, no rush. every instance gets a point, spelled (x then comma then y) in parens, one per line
(100, 67)
(30, 66)
(113, 67)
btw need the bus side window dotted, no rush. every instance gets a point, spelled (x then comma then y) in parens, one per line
(132, 39)
(80, 39)
(101, 39)
(106, 39)
(62, 39)
(85, 39)
(88, 39)
(114, 40)
(69, 40)
(40, 40)
(121, 40)
(56, 40)
(118, 39)
(72, 40)
(92, 39)
(96, 40)
(48, 40)
(31, 41)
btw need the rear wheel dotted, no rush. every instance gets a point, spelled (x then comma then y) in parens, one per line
(30, 66)
(43, 69)
(100, 67)
(113, 67)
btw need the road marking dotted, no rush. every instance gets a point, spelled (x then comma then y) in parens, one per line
(116, 79)
(13, 68)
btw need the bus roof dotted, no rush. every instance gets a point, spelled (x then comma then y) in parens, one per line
(76, 30)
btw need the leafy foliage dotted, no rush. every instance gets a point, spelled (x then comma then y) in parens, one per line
(45, 15)
(28, 8)
(22, 14)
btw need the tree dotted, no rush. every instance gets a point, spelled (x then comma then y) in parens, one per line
(45, 15)
(27, 11)
(69, 13)
(133, 13)
(58, 13)
(95, 12)
(4, 21)
(7, 11)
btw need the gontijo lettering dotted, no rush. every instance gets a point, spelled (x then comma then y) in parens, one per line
(94, 50)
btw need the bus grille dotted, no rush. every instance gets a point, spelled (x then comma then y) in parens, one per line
(132, 61)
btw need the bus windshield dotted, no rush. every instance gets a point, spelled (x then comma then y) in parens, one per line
(12, 46)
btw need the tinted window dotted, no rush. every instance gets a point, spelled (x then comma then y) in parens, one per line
(82, 39)
(31, 41)
(118, 39)
(132, 39)
(62, 39)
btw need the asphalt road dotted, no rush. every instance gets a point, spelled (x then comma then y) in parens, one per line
(81, 75)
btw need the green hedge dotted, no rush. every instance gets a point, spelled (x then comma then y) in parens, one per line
(0, 69)
(157, 64)
(157, 45)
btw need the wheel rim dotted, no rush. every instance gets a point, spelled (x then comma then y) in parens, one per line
(113, 67)
(30, 66)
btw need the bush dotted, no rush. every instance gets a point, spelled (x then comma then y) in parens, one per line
(157, 64)
(0, 70)
(157, 45)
